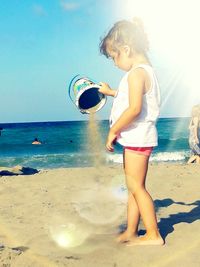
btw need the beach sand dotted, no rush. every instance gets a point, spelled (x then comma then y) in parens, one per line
(70, 217)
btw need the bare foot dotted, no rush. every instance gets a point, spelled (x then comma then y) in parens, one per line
(126, 236)
(146, 240)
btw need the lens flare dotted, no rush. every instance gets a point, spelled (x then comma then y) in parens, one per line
(68, 235)
(104, 204)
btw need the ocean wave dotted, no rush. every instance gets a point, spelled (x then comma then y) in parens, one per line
(83, 160)
(115, 158)
(157, 157)
(175, 140)
(43, 161)
(170, 156)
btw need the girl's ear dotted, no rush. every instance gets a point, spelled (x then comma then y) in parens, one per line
(127, 50)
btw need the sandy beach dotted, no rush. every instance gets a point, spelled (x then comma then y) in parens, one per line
(70, 217)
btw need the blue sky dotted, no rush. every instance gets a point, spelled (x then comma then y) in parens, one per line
(44, 43)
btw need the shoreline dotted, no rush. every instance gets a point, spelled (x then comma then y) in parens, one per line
(71, 216)
(107, 165)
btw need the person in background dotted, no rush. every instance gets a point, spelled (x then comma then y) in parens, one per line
(194, 135)
(36, 142)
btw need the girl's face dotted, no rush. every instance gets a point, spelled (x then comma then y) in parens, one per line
(122, 58)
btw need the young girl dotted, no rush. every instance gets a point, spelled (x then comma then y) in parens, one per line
(132, 123)
(194, 128)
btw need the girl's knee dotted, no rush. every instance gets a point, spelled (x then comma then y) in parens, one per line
(135, 188)
(137, 191)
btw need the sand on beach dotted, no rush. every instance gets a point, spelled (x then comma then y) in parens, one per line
(70, 217)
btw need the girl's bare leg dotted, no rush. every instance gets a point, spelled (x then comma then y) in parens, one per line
(132, 221)
(136, 166)
(133, 217)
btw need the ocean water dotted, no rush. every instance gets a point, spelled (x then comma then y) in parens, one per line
(65, 144)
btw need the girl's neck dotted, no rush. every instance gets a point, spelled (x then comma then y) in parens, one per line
(139, 59)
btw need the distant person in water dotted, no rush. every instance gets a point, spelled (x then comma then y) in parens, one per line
(36, 142)
(194, 135)
(1, 129)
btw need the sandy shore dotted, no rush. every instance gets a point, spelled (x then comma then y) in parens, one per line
(70, 217)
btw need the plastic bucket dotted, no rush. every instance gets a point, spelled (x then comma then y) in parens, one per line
(87, 98)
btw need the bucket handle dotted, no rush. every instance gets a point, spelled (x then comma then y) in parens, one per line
(70, 86)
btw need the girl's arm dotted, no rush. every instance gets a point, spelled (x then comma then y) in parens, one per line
(106, 90)
(136, 84)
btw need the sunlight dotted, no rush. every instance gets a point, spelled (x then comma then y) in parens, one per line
(172, 27)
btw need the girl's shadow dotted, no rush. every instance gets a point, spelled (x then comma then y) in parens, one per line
(166, 225)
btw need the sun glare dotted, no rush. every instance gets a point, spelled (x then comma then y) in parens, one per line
(69, 236)
(172, 27)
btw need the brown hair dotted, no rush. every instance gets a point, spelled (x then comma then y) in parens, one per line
(125, 32)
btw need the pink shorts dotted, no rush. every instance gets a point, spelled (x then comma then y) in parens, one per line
(140, 150)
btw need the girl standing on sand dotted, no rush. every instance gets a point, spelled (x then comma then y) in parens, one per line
(132, 123)
(194, 128)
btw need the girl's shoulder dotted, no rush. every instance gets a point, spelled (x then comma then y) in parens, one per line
(143, 66)
(140, 70)
(141, 73)
(136, 71)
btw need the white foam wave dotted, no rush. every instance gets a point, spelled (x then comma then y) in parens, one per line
(158, 157)
(116, 158)
(169, 156)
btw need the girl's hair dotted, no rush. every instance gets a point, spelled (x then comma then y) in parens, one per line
(125, 32)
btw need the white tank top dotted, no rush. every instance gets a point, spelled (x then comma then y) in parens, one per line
(142, 131)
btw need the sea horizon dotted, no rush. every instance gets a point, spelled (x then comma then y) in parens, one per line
(57, 121)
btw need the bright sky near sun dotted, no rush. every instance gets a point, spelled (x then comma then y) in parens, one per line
(43, 44)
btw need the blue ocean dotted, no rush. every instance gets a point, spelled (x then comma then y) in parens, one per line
(65, 144)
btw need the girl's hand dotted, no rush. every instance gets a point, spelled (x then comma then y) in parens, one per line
(110, 140)
(106, 90)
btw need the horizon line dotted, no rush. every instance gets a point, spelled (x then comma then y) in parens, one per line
(23, 122)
